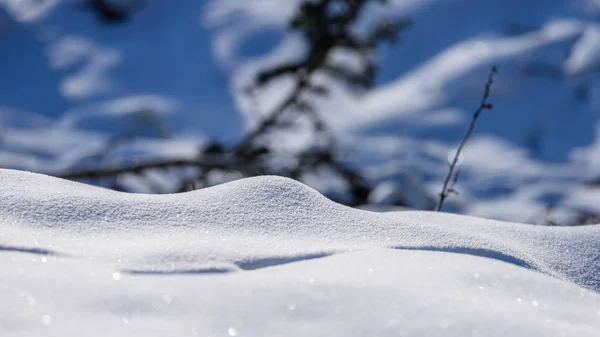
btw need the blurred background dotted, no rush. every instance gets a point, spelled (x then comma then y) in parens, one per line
(363, 100)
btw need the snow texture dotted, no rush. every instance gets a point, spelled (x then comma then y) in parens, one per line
(268, 256)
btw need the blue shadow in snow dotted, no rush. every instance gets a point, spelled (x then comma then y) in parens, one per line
(481, 252)
(37, 251)
(276, 261)
(199, 271)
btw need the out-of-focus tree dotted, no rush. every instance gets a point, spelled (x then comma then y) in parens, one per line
(113, 11)
(328, 27)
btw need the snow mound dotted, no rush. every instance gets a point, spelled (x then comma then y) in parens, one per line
(268, 256)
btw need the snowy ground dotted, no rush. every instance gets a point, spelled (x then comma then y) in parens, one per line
(70, 82)
(268, 256)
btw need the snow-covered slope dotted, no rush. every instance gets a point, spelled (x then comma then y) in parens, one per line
(77, 81)
(268, 256)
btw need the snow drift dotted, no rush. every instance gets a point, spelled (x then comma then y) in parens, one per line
(269, 256)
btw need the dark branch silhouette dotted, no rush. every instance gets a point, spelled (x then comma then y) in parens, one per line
(111, 12)
(326, 26)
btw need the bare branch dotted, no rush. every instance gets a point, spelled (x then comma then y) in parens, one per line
(154, 164)
(483, 106)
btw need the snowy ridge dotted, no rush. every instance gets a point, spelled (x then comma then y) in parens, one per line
(268, 256)
(265, 210)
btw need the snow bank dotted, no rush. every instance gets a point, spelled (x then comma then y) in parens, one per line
(268, 256)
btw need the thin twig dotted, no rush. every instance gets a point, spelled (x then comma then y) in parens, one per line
(483, 106)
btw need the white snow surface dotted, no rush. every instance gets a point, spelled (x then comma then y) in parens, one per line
(268, 256)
